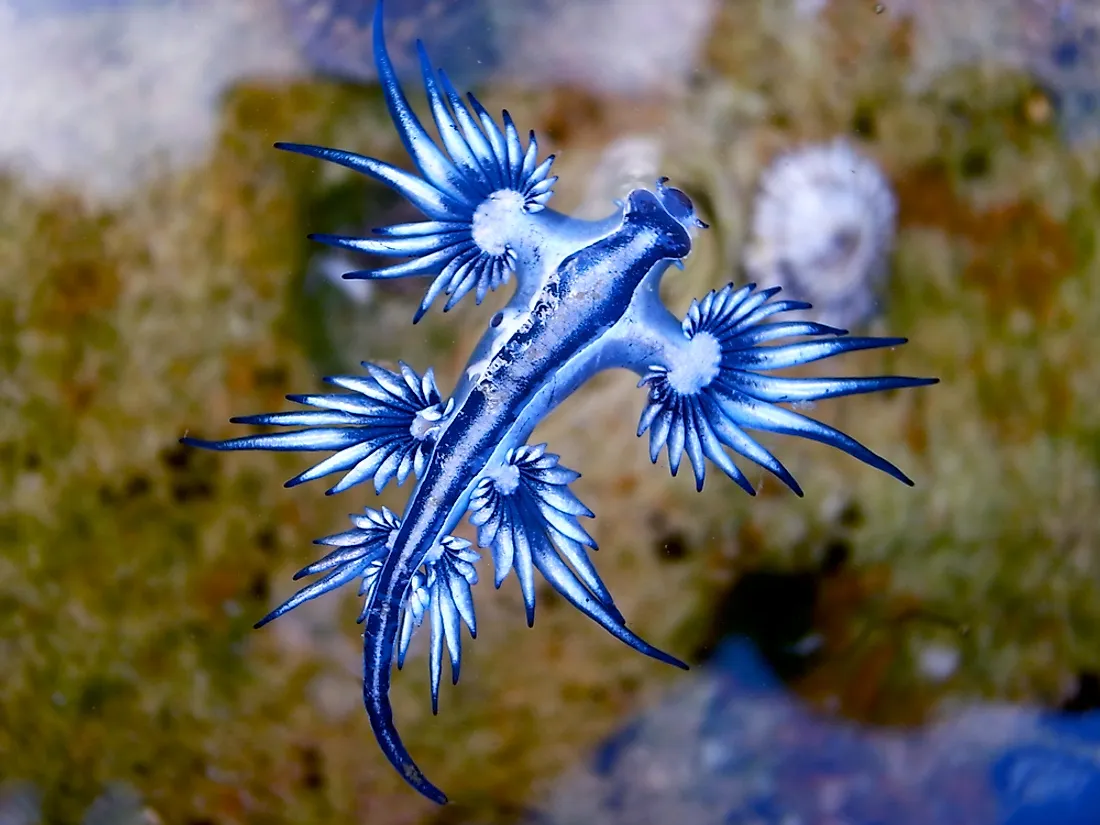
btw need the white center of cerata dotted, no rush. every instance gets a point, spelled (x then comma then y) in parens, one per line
(696, 365)
(425, 423)
(495, 220)
(505, 479)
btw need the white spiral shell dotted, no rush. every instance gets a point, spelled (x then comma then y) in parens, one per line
(823, 227)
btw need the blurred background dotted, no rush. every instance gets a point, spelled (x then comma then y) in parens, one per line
(868, 654)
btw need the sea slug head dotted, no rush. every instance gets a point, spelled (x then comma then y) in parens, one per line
(671, 212)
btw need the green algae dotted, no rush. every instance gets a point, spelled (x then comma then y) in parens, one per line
(132, 569)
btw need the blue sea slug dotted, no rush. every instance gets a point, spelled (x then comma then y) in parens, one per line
(586, 300)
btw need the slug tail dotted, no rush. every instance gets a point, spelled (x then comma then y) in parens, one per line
(382, 623)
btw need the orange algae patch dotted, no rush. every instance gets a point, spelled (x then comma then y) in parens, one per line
(1019, 253)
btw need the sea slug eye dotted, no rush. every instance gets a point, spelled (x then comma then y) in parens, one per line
(675, 202)
(678, 205)
(496, 320)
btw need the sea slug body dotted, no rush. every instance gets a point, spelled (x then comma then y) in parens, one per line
(586, 299)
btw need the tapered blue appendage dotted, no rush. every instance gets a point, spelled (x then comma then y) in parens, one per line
(707, 401)
(527, 516)
(357, 553)
(440, 589)
(383, 428)
(474, 189)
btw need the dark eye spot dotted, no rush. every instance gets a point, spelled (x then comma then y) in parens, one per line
(676, 203)
(496, 320)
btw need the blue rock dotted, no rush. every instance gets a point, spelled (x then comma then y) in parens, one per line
(1040, 784)
(731, 745)
(43, 8)
(335, 36)
(1067, 64)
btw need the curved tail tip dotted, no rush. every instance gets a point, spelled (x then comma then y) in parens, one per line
(669, 659)
(381, 721)
(649, 650)
(398, 757)
(414, 777)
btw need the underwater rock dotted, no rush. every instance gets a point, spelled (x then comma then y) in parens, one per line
(105, 95)
(1064, 54)
(608, 46)
(1056, 41)
(809, 8)
(1039, 784)
(605, 45)
(734, 747)
(822, 229)
(20, 803)
(39, 8)
(119, 804)
(335, 36)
